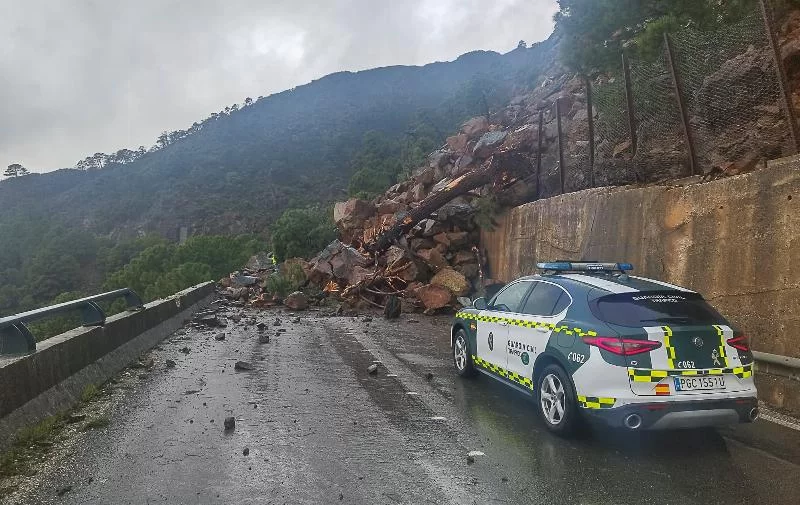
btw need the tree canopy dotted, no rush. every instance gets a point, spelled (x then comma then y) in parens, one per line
(596, 31)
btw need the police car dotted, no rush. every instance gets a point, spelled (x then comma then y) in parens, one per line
(589, 339)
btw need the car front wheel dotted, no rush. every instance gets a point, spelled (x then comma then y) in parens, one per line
(462, 357)
(556, 400)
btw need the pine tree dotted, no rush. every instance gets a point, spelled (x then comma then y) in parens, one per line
(15, 170)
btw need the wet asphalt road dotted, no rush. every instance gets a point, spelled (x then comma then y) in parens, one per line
(320, 429)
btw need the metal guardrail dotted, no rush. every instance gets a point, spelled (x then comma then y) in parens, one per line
(777, 359)
(15, 338)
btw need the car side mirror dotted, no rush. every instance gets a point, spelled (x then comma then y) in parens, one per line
(480, 303)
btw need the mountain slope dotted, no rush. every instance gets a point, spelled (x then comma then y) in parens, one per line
(238, 171)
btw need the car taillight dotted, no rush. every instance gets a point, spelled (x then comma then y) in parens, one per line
(741, 343)
(623, 346)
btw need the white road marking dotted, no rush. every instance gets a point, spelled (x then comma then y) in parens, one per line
(438, 418)
(412, 393)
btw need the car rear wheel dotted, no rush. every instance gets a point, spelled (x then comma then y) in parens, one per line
(556, 400)
(462, 357)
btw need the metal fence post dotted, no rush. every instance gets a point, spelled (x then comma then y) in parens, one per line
(560, 145)
(677, 83)
(786, 97)
(626, 70)
(590, 119)
(539, 155)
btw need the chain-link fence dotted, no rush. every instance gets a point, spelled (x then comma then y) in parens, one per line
(733, 95)
(710, 102)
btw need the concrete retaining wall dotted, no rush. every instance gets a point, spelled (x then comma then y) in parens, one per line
(52, 379)
(735, 240)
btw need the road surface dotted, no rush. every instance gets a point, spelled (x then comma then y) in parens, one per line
(313, 426)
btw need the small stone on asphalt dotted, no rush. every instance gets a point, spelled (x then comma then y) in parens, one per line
(171, 364)
(219, 336)
(230, 423)
(372, 369)
(246, 451)
(263, 339)
(185, 350)
(243, 365)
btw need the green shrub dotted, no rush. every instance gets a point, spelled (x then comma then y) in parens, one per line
(302, 232)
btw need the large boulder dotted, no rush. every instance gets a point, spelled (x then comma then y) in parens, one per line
(358, 274)
(452, 280)
(350, 214)
(434, 296)
(475, 127)
(296, 301)
(720, 100)
(390, 207)
(489, 143)
(524, 138)
(433, 257)
(438, 159)
(458, 239)
(458, 143)
(335, 261)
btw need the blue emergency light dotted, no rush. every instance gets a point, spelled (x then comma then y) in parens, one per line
(584, 266)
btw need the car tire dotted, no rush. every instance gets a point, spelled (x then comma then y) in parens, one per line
(554, 388)
(462, 355)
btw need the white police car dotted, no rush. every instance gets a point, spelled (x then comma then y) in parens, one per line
(587, 338)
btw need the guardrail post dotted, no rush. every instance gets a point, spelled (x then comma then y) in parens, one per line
(16, 339)
(93, 315)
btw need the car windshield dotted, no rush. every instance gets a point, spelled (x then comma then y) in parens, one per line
(654, 307)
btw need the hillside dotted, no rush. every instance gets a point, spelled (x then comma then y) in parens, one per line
(237, 170)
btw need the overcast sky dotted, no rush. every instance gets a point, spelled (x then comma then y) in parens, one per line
(85, 76)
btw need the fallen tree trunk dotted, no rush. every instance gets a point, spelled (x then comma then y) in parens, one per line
(489, 172)
(460, 186)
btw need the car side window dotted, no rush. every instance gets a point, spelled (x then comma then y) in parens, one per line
(510, 298)
(546, 300)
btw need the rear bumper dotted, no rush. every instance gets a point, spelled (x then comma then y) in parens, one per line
(676, 415)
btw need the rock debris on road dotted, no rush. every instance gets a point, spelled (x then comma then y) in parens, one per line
(312, 422)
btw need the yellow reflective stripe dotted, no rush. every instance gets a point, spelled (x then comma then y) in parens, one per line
(594, 402)
(721, 345)
(668, 346)
(502, 372)
(529, 324)
(647, 375)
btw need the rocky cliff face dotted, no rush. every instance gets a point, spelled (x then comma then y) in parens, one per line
(435, 256)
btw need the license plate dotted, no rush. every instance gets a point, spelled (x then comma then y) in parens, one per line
(699, 383)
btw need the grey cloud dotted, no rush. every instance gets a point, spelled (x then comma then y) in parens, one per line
(82, 76)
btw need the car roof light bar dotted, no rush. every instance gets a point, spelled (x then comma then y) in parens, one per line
(584, 266)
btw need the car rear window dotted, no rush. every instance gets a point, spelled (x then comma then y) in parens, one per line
(654, 308)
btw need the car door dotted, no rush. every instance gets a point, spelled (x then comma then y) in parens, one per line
(543, 309)
(493, 325)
